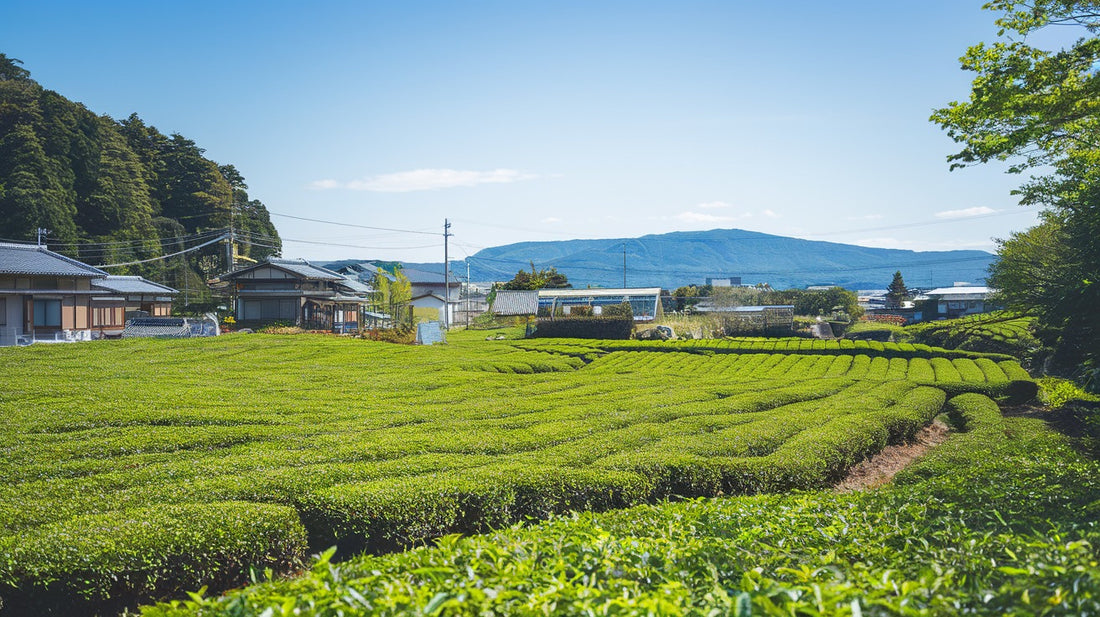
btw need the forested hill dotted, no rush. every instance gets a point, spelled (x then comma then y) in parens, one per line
(680, 258)
(113, 192)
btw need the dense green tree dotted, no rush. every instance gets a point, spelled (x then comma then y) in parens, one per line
(896, 292)
(31, 195)
(548, 278)
(11, 69)
(117, 192)
(1040, 110)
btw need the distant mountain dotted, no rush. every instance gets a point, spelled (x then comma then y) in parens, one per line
(686, 257)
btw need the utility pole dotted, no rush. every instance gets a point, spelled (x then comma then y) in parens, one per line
(624, 265)
(446, 275)
(229, 263)
(42, 231)
(467, 293)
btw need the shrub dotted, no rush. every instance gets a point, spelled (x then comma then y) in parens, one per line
(610, 328)
(120, 557)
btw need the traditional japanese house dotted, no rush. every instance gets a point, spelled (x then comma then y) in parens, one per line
(294, 291)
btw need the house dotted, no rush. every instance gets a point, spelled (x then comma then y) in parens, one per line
(297, 292)
(48, 297)
(430, 290)
(44, 296)
(128, 297)
(961, 299)
(644, 301)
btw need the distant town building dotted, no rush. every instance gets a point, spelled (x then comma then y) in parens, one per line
(645, 302)
(726, 281)
(962, 299)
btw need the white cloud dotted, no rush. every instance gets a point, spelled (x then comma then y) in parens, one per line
(550, 219)
(322, 185)
(702, 217)
(770, 213)
(958, 214)
(865, 217)
(714, 205)
(425, 180)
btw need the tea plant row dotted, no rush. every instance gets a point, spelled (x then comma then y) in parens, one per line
(999, 520)
(131, 467)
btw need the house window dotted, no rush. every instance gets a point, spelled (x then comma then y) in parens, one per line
(3, 311)
(47, 313)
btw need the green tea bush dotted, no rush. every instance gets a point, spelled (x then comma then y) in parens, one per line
(585, 328)
(116, 558)
(382, 446)
(998, 520)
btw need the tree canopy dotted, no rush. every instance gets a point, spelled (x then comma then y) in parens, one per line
(1039, 110)
(548, 278)
(896, 291)
(114, 192)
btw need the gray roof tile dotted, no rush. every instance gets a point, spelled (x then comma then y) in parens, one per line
(516, 302)
(133, 285)
(29, 259)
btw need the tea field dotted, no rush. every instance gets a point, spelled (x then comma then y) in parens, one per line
(141, 469)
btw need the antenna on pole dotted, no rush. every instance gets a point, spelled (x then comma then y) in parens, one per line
(446, 275)
(42, 231)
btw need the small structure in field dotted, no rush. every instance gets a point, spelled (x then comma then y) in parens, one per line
(171, 327)
(772, 319)
(513, 303)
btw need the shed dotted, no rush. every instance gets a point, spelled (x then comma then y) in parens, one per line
(509, 303)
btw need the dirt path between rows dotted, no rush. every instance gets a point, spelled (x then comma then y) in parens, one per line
(882, 467)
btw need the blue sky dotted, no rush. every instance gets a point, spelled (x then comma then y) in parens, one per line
(548, 120)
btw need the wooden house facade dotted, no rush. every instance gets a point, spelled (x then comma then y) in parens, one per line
(294, 291)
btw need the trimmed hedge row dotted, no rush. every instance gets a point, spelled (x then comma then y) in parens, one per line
(992, 522)
(115, 559)
(402, 444)
(796, 345)
(585, 328)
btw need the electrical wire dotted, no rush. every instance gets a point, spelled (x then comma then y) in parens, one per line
(344, 224)
(143, 261)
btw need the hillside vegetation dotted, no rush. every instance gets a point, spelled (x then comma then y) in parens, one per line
(998, 332)
(114, 192)
(143, 468)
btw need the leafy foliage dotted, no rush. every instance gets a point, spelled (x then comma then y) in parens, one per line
(998, 332)
(117, 192)
(548, 278)
(1039, 110)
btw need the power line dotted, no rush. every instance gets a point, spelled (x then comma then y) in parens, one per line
(142, 261)
(345, 224)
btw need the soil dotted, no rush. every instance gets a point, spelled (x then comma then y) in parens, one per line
(882, 467)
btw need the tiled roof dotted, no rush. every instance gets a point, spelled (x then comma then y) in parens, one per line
(306, 269)
(600, 292)
(958, 291)
(426, 277)
(300, 267)
(133, 285)
(29, 259)
(355, 285)
(516, 302)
